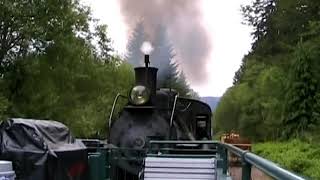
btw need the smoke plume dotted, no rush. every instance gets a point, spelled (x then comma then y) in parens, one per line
(146, 47)
(183, 21)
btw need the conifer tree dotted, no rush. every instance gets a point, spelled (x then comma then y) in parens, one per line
(301, 101)
(134, 54)
(162, 57)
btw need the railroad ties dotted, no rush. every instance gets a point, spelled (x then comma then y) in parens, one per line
(177, 168)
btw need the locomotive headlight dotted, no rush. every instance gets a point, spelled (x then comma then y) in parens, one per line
(139, 95)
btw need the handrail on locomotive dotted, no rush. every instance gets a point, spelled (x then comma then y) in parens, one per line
(112, 111)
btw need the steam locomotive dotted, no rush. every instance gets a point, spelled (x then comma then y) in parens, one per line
(155, 114)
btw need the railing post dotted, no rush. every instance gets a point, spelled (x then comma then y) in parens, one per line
(224, 156)
(225, 167)
(246, 168)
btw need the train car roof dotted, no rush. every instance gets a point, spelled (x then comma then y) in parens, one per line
(197, 101)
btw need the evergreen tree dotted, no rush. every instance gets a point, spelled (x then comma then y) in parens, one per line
(316, 110)
(239, 73)
(183, 87)
(301, 100)
(134, 54)
(104, 48)
(162, 57)
(258, 15)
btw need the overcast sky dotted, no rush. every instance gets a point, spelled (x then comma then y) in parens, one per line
(231, 40)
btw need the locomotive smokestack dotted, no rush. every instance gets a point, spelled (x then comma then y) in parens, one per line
(146, 60)
(147, 76)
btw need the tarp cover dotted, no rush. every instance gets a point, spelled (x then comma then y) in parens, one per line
(42, 150)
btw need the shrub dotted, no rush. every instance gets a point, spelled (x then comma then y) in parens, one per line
(297, 156)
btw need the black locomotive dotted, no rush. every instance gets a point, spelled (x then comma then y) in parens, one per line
(156, 114)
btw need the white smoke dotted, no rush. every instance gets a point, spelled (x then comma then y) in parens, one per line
(146, 47)
(183, 21)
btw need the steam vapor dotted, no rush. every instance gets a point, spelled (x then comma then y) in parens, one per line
(146, 47)
(183, 21)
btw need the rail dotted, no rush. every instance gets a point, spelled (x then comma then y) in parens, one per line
(248, 160)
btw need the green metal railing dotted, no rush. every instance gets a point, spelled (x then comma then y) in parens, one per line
(248, 160)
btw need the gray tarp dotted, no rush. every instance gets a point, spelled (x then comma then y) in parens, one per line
(42, 150)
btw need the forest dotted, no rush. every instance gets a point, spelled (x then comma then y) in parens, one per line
(57, 63)
(275, 94)
(275, 97)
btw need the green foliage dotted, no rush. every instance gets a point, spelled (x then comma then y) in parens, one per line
(282, 71)
(3, 102)
(223, 119)
(104, 42)
(276, 90)
(300, 157)
(258, 15)
(301, 96)
(3, 107)
(52, 66)
(30, 26)
(253, 108)
(68, 84)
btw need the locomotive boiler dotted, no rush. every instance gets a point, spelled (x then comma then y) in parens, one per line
(155, 113)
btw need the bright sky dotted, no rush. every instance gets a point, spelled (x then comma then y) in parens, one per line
(231, 40)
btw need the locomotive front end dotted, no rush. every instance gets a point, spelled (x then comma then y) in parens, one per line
(139, 121)
(154, 114)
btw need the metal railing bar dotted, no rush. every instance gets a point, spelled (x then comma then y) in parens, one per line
(112, 111)
(269, 167)
(264, 165)
(183, 142)
(233, 149)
